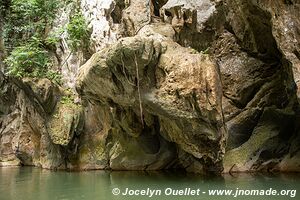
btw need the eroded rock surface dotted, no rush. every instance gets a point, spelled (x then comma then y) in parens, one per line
(151, 94)
(260, 104)
(24, 137)
(207, 86)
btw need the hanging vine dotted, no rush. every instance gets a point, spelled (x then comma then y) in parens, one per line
(138, 87)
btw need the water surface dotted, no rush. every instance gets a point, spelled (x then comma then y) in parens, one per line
(28, 183)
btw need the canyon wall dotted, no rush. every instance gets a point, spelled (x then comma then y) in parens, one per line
(207, 86)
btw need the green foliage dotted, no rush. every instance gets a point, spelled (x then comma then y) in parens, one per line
(27, 61)
(26, 38)
(206, 51)
(69, 100)
(3, 5)
(53, 38)
(31, 61)
(28, 18)
(55, 76)
(194, 51)
(78, 32)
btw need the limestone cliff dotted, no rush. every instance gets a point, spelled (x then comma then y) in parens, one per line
(205, 86)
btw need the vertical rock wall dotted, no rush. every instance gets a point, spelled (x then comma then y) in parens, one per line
(207, 86)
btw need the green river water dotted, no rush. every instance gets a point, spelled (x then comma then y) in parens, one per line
(28, 183)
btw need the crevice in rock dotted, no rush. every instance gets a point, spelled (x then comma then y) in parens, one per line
(156, 6)
(297, 54)
(288, 2)
(257, 38)
(267, 109)
(117, 83)
(116, 14)
(242, 131)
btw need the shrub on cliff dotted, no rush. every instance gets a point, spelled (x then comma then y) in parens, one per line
(78, 31)
(25, 32)
(28, 60)
(28, 18)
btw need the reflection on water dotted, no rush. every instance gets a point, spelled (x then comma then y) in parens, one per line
(32, 183)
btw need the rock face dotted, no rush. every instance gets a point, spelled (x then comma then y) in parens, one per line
(260, 104)
(24, 137)
(100, 16)
(207, 86)
(150, 92)
(65, 123)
